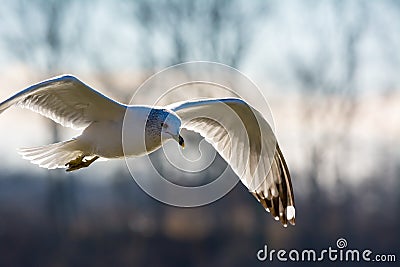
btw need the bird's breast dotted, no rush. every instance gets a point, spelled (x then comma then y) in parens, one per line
(135, 135)
(103, 139)
(114, 139)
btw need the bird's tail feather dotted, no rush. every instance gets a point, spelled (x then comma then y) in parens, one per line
(51, 156)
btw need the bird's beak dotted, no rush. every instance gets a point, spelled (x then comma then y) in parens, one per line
(180, 140)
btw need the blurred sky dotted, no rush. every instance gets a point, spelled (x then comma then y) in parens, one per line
(298, 52)
(329, 70)
(283, 31)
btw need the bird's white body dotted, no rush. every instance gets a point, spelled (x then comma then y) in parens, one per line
(236, 130)
(105, 138)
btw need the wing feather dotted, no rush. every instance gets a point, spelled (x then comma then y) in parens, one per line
(68, 101)
(246, 141)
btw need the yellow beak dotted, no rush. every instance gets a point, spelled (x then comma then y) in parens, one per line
(181, 141)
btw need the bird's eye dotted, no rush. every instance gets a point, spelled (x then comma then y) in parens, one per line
(164, 125)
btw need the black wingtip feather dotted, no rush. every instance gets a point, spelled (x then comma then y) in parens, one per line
(278, 206)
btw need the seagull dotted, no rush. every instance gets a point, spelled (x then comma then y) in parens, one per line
(238, 132)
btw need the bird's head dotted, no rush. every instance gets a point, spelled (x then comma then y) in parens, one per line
(162, 125)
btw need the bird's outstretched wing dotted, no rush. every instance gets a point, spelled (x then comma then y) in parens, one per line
(68, 101)
(246, 141)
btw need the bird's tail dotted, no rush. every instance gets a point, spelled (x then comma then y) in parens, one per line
(52, 156)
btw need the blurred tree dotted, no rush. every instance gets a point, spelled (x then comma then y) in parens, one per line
(179, 31)
(40, 42)
(122, 225)
(328, 81)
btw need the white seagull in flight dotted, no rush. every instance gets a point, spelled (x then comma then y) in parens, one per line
(236, 130)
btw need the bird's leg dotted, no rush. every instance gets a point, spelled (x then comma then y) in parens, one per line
(79, 162)
(74, 164)
(76, 161)
(86, 163)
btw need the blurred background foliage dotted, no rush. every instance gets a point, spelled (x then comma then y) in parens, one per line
(329, 69)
